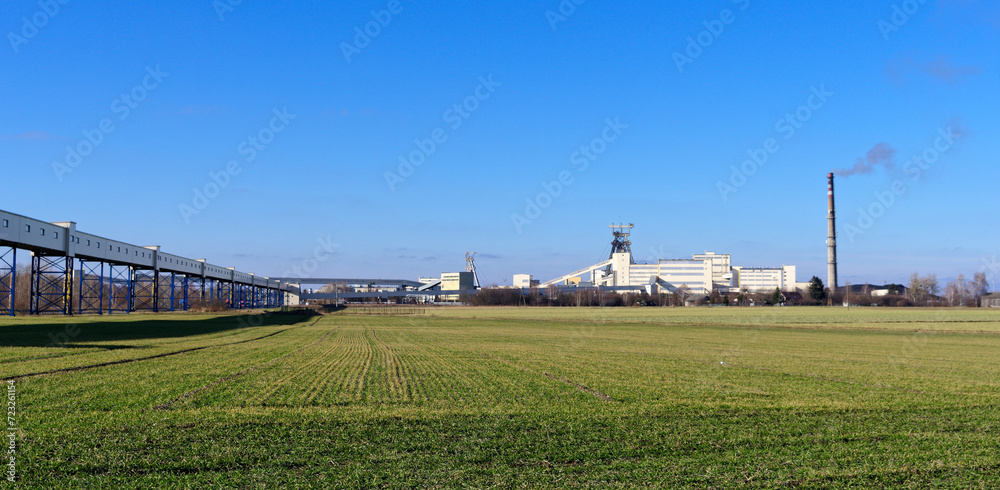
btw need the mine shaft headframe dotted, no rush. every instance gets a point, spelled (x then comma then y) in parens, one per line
(621, 243)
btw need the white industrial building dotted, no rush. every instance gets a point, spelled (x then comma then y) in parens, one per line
(524, 281)
(766, 279)
(702, 274)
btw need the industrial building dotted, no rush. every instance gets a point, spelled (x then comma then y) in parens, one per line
(767, 279)
(525, 281)
(457, 281)
(703, 273)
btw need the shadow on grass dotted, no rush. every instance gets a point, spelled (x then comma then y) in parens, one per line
(93, 332)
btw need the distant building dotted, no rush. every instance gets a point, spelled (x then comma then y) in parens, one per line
(765, 279)
(991, 301)
(455, 281)
(524, 281)
(722, 273)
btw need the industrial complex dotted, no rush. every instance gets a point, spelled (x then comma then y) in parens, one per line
(74, 272)
(703, 273)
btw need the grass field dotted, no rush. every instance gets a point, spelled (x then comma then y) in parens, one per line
(508, 397)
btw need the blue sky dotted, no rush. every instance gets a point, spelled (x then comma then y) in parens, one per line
(533, 83)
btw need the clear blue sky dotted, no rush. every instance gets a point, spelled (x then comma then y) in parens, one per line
(556, 81)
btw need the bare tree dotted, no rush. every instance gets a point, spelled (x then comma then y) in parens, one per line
(979, 287)
(953, 293)
(922, 288)
(931, 284)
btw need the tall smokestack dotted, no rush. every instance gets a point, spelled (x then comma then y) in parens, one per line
(831, 238)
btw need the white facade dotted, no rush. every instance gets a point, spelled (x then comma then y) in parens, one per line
(691, 276)
(522, 280)
(702, 274)
(765, 279)
(455, 281)
(722, 269)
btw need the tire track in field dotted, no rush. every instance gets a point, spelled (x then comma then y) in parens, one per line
(576, 385)
(362, 371)
(435, 373)
(396, 374)
(320, 379)
(335, 381)
(835, 380)
(581, 387)
(147, 358)
(192, 393)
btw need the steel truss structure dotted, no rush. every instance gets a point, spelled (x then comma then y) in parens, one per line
(73, 272)
(119, 289)
(8, 280)
(145, 289)
(91, 297)
(51, 284)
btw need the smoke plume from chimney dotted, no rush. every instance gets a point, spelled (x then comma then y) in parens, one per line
(880, 154)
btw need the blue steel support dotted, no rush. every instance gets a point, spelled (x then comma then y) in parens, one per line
(8, 280)
(91, 287)
(186, 295)
(225, 293)
(119, 289)
(143, 290)
(51, 284)
(172, 291)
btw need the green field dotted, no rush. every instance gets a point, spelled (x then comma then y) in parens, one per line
(509, 397)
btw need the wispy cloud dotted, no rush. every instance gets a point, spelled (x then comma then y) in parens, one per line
(345, 112)
(29, 136)
(941, 69)
(199, 110)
